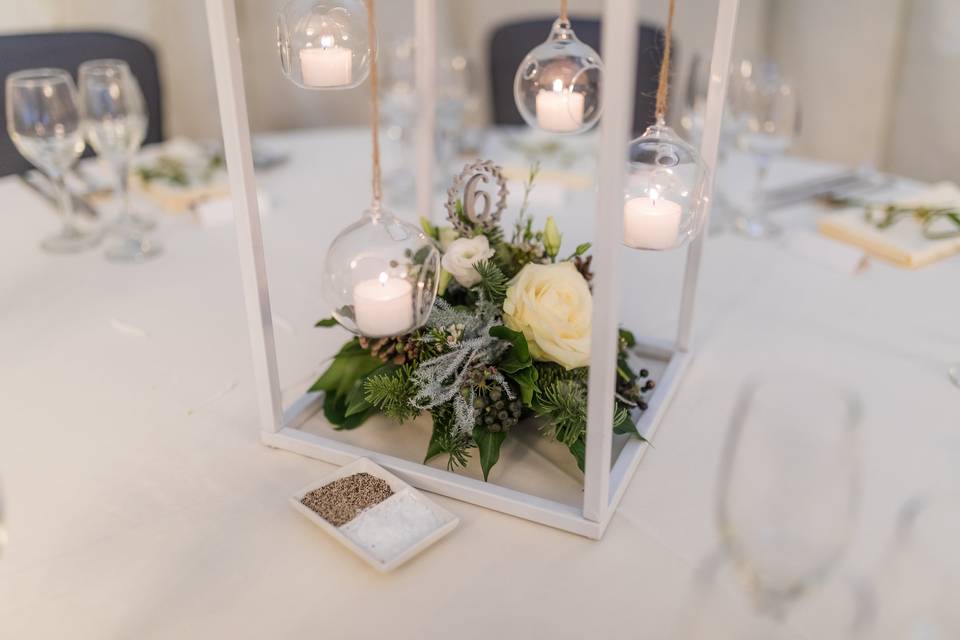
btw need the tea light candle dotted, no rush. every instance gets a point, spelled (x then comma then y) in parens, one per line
(559, 111)
(327, 65)
(651, 223)
(383, 306)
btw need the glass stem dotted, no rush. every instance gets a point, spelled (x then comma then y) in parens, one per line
(759, 198)
(123, 193)
(66, 205)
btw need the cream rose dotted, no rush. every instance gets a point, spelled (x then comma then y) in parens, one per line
(551, 304)
(462, 255)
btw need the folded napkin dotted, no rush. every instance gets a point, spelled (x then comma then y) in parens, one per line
(902, 243)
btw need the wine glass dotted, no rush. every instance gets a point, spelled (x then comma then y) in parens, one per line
(695, 99)
(43, 121)
(789, 485)
(692, 123)
(765, 109)
(115, 121)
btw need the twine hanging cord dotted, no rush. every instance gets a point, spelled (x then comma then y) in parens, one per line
(374, 105)
(662, 86)
(564, 14)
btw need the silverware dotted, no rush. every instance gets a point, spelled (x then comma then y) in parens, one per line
(845, 182)
(40, 185)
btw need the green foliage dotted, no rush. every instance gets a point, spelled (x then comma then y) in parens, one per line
(446, 439)
(517, 364)
(579, 450)
(350, 364)
(493, 282)
(564, 403)
(392, 393)
(488, 443)
(327, 322)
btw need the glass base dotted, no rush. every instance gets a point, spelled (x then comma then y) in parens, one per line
(70, 240)
(757, 228)
(132, 250)
(135, 222)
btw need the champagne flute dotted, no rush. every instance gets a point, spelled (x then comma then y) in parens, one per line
(789, 486)
(766, 110)
(43, 121)
(115, 120)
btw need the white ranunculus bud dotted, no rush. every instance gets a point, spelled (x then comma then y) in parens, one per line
(462, 255)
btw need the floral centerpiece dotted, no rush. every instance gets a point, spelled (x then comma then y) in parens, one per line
(508, 339)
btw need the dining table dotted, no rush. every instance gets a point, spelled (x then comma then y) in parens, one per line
(139, 502)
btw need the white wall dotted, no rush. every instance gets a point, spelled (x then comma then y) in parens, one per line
(924, 140)
(842, 55)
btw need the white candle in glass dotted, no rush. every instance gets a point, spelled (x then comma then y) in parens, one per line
(327, 65)
(559, 110)
(651, 223)
(383, 306)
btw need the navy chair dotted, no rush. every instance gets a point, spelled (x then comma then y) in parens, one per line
(511, 42)
(66, 50)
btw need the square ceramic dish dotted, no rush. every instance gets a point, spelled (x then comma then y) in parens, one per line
(447, 521)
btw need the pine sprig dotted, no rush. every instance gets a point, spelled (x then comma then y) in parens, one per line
(392, 393)
(564, 402)
(492, 280)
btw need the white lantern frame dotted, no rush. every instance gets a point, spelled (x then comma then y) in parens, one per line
(605, 481)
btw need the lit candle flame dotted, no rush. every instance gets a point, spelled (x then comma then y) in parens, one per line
(383, 278)
(326, 42)
(558, 86)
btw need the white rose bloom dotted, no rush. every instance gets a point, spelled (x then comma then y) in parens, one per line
(462, 254)
(551, 304)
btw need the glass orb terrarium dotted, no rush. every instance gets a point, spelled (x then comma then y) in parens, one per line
(380, 276)
(557, 86)
(665, 191)
(324, 44)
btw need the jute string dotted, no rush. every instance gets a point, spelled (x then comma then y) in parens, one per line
(662, 86)
(564, 14)
(374, 104)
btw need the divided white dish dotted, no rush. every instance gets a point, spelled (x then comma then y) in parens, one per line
(448, 521)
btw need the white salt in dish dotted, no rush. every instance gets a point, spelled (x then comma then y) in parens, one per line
(390, 532)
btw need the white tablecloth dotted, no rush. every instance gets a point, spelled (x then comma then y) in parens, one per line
(140, 503)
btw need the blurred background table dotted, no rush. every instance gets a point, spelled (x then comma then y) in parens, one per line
(141, 503)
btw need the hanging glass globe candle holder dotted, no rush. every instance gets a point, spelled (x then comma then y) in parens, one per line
(324, 44)
(380, 276)
(664, 200)
(557, 86)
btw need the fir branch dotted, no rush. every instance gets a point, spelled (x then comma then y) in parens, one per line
(564, 403)
(447, 439)
(392, 393)
(492, 281)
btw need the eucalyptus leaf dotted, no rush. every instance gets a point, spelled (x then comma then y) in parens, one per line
(518, 357)
(579, 451)
(327, 322)
(488, 442)
(526, 379)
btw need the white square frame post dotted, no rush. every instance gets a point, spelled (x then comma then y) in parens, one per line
(605, 481)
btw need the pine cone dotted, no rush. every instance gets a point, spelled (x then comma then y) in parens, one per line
(398, 349)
